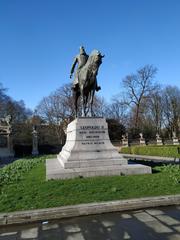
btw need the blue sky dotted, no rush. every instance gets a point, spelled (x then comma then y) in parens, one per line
(39, 39)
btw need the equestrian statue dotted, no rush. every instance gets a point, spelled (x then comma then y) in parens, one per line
(85, 80)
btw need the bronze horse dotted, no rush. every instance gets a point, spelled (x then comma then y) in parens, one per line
(87, 84)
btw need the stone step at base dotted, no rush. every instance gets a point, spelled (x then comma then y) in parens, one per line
(88, 155)
(92, 163)
(54, 170)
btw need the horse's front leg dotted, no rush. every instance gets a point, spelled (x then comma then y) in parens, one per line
(91, 103)
(75, 101)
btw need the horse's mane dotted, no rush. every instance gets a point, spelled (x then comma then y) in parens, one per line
(93, 54)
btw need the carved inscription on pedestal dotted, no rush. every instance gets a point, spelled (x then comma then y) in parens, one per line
(92, 135)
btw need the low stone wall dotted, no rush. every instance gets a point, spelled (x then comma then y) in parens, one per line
(86, 209)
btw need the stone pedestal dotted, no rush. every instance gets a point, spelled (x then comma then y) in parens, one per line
(125, 140)
(142, 140)
(88, 145)
(6, 153)
(89, 152)
(175, 139)
(6, 147)
(158, 140)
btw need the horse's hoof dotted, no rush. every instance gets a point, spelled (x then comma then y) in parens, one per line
(98, 88)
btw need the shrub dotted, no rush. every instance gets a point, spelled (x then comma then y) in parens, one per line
(164, 151)
(14, 172)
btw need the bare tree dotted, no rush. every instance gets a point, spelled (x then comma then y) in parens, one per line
(138, 88)
(56, 109)
(117, 110)
(3, 98)
(9, 106)
(171, 109)
(57, 106)
(154, 109)
(100, 106)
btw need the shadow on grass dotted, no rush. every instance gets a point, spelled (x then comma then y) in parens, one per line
(151, 164)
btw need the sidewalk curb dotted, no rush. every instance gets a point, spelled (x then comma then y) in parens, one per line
(86, 209)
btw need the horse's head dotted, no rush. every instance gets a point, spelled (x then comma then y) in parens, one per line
(96, 57)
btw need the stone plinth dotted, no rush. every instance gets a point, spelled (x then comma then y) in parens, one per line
(6, 146)
(125, 140)
(6, 153)
(125, 143)
(175, 141)
(89, 152)
(142, 142)
(159, 141)
(55, 171)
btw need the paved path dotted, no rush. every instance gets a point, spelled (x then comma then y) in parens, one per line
(155, 223)
(156, 159)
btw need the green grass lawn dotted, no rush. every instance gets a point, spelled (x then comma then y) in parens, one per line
(23, 186)
(163, 151)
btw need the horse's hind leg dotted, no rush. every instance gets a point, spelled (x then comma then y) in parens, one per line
(76, 97)
(86, 107)
(91, 103)
(83, 103)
